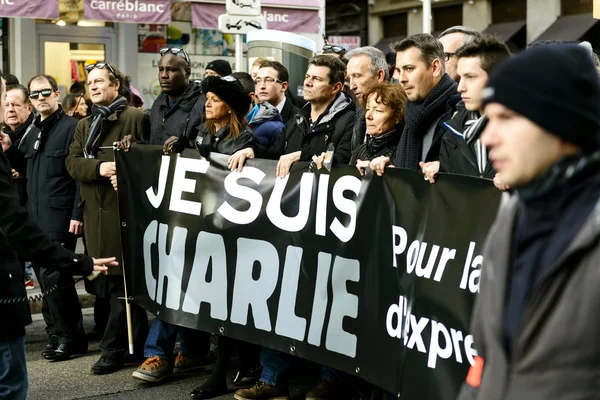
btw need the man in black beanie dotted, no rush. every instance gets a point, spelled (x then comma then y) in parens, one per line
(534, 321)
(218, 68)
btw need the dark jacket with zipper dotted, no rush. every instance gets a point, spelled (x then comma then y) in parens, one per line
(534, 322)
(53, 195)
(457, 157)
(334, 126)
(222, 142)
(183, 119)
(19, 234)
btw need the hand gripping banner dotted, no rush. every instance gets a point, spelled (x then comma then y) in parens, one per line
(374, 276)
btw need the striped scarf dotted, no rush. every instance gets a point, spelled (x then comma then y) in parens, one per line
(472, 134)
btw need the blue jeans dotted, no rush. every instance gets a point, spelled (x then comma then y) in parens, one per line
(28, 269)
(162, 337)
(330, 374)
(13, 369)
(275, 366)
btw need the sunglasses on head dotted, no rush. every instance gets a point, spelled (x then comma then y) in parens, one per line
(101, 65)
(178, 51)
(328, 48)
(36, 93)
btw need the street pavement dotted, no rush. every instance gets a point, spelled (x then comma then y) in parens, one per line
(72, 379)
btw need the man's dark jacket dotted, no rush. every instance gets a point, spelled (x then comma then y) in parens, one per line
(458, 157)
(53, 193)
(288, 110)
(333, 126)
(19, 234)
(183, 119)
(360, 129)
(16, 137)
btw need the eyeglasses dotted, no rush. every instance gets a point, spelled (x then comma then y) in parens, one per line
(267, 80)
(101, 65)
(328, 48)
(448, 56)
(178, 51)
(36, 93)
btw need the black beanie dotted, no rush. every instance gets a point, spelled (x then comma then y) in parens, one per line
(230, 90)
(555, 86)
(221, 67)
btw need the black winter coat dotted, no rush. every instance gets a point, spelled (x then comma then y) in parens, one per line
(16, 137)
(288, 110)
(457, 157)
(21, 235)
(222, 142)
(334, 126)
(53, 195)
(182, 120)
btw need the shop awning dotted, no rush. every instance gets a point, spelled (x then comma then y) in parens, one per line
(278, 13)
(505, 31)
(570, 28)
(384, 44)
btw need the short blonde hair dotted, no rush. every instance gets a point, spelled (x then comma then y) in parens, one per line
(259, 61)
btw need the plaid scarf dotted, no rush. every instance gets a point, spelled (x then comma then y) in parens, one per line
(100, 113)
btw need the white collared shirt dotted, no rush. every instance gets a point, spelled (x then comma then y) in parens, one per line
(281, 104)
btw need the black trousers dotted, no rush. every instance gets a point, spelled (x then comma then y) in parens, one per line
(60, 308)
(114, 343)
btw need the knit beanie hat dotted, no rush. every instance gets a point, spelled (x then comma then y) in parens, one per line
(221, 67)
(230, 90)
(557, 87)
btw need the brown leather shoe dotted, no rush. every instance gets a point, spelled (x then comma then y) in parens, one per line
(262, 391)
(325, 390)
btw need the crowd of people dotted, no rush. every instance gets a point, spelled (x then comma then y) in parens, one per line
(460, 103)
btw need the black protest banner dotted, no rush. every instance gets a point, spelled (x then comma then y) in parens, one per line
(374, 276)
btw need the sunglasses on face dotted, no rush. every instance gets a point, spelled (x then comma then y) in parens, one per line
(178, 51)
(36, 93)
(101, 65)
(328, 48)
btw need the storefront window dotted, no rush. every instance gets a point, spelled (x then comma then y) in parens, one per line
(445, 17)
(572, 7)
(509, 11)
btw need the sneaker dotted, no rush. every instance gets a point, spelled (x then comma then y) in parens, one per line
(262, 391)
(325, 390)
(29, 284)
(187, 364)
(153, 370)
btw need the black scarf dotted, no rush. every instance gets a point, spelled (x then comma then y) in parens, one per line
(375, 146)
(417, 118)
(47, 124)
(562, 174)
(100, 113)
